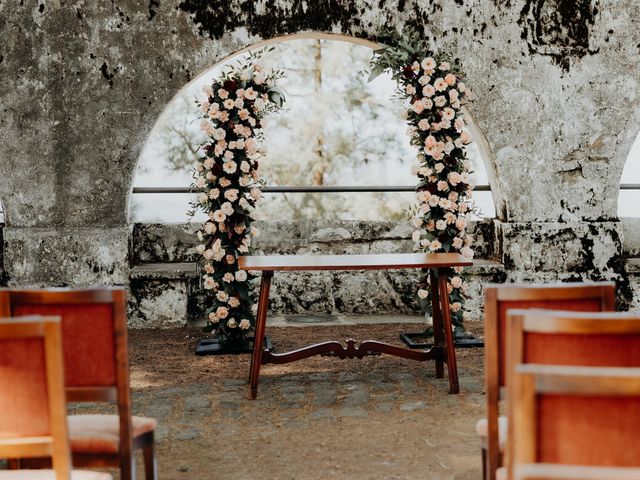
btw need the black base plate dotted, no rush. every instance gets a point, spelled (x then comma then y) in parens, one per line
(407, 338)
(212, 346)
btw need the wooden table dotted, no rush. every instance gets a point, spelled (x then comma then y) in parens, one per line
(438, 263)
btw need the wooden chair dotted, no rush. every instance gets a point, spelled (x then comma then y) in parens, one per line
(33, 414)
(578, 423)
(498, 299)
(94, 332)
(587, 339)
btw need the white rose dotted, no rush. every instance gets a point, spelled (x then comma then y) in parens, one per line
(456, 282)
(244, 324)
(219, 134)
(232, 323)
(222, 312)
(201, 182)
(200, 249)
(423, 124)
(222, 296)
(213, 318)
(210, 228)
(260, 78)
(209, 283)
(241, 275)
(466, 252)
(234, 302)
(441, 225)
(415, 236)
(250, 94)
(435, 245)
(219, 216)
(227, 208)
(422, 293)
(428, 91)
(228, 277)
(231, 195)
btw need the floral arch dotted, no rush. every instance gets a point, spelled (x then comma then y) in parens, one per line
(238, 297)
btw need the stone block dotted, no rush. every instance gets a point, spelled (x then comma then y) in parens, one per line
(158, 303)
(66, 256)
(366, 292)
(301, 292)
(156, 243)
(631, 239)
(583, 248)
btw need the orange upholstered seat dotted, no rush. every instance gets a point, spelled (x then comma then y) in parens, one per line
(96, 367)
(101, 433)
(577, 417)
(498, 300)
(574, 425)
(33, 416)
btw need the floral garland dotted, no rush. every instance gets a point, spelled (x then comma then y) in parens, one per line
(432, 85)
(229, 184)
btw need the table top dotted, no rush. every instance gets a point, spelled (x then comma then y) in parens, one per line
(353, 262)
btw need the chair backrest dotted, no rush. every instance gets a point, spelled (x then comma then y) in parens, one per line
(582, 417)
(33, 414)
(94, 337)
(599, 296)
(587, 339)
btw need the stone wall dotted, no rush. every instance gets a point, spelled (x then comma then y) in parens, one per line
(164, 277)
(165, 286)
(557, 111)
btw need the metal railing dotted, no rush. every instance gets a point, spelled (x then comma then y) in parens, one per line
(334, 189)
(308, 189)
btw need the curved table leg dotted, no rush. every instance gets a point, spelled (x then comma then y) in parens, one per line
(261, 323)
(452, 366)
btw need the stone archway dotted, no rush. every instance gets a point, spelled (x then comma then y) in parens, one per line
(482, 145)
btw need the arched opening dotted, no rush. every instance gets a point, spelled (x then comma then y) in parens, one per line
(338, 131)
(629, 195)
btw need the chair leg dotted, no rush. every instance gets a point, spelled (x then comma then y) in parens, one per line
(484, 463)
(150, 463)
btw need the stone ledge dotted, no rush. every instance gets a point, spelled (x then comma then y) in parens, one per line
(160, 271)
(485, 267)
(632, 265)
